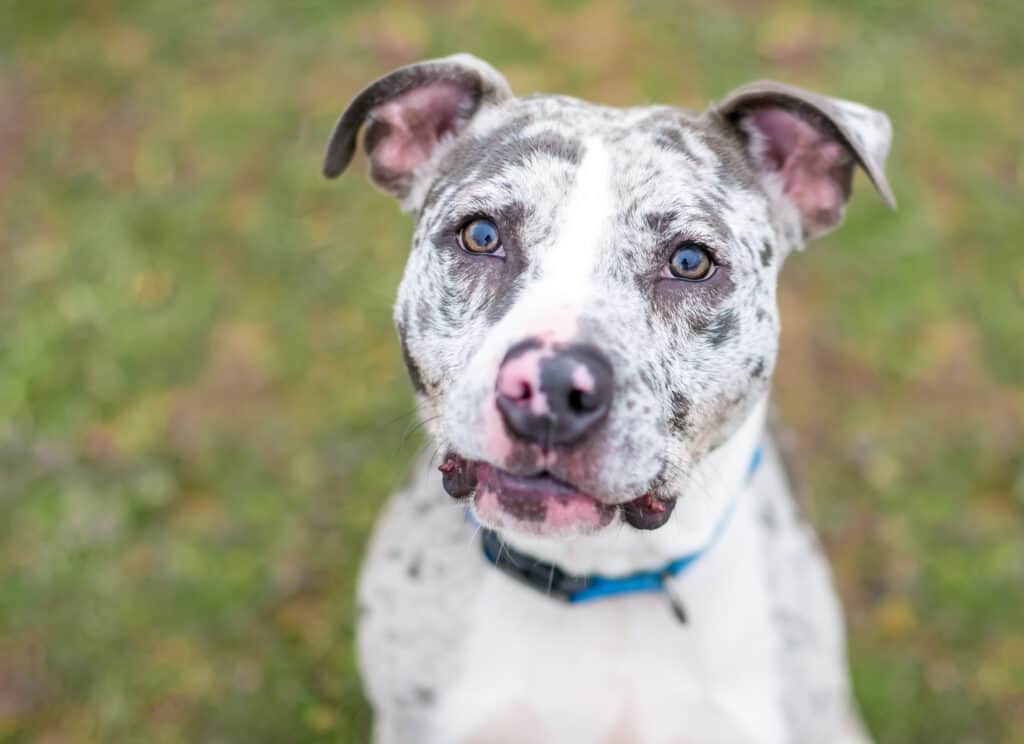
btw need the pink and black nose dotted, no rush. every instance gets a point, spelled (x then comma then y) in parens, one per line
(553, 396)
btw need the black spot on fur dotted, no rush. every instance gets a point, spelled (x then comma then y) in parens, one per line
(680, 416)
(699, 322)
(647, 378)
(492, 155)
(767, 253)
(660, 223)
(671, 138)
(557, 146)
(512, 221)
(723, 328)
(734, 168)
(758, 370)
(711, 210)
(448, 310)
(415, 376)
(423, 695)
(414, 568)
(497, 277)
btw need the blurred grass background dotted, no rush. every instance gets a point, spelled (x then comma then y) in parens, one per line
(201, 396)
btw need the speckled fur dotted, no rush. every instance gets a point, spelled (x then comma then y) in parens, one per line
(679, 350)
(590, 202)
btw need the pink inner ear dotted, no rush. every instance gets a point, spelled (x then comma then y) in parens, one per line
(816, 169)
(406, 129)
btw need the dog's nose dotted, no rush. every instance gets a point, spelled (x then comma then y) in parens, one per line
(553, 396)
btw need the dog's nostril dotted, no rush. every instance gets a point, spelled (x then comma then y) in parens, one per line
(518, 392)
(514, 387)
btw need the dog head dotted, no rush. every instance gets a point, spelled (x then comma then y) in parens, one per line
(589, 306)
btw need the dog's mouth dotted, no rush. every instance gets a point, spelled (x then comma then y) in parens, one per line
(542, 504)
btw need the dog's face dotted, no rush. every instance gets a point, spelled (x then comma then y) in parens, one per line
(589, 305)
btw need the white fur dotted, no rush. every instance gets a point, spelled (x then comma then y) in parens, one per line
(507, 664)
(453, 651)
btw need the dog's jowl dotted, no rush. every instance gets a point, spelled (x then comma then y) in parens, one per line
(605, 548)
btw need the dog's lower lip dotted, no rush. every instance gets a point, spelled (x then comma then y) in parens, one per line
(539, 503)
(647, 512)
(458, 476)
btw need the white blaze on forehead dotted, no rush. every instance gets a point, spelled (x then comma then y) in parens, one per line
(567, 264)
(548, 309)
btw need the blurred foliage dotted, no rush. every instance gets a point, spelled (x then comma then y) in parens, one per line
(201, 399)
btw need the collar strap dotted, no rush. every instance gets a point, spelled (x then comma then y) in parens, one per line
(574, 588)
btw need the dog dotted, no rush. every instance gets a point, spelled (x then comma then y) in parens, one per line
(610, 551)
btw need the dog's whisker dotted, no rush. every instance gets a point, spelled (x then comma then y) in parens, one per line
(416, 427)
(418, 408)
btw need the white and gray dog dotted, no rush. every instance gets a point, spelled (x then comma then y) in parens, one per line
(610, 552)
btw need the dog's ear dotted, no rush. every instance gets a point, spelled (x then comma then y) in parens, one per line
(408, 113)
(809, 144)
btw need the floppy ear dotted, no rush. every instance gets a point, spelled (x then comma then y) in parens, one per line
(408, 113)
(810, 144)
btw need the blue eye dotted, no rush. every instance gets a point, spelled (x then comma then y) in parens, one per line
(480, 236)
(691, 262)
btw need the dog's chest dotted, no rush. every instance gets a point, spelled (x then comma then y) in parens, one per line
(627, 670)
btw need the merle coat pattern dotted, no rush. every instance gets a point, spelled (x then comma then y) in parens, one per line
(590, 202)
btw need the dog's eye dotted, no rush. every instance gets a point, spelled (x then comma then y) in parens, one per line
(480, 236)
(691, 262)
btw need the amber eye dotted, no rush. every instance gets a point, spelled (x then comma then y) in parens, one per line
(691, 262)
(480, 236)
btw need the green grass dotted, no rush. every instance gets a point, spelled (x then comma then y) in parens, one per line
(201, 398)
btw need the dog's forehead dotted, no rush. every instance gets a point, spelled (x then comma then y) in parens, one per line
(666, 161)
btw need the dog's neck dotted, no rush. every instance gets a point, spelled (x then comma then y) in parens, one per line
(621, 549)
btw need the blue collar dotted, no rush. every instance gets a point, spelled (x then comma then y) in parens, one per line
(574, 588)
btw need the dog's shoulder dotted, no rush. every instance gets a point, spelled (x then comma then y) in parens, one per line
(419, 574)
(805, 612)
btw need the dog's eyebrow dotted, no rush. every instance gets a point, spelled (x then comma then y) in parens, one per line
(705, 218)
(711, 215)
(662, 222)
(493, 156)
(494, 153)
(670, 137)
